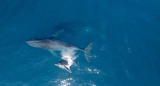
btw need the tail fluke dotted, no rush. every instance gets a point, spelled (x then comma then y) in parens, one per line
(87, 51)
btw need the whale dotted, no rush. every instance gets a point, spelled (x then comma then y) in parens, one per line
(64, 65)
(57, 45)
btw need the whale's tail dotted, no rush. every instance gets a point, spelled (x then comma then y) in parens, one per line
(87, 51)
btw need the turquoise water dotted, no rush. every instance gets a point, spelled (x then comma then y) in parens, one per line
(126, 36)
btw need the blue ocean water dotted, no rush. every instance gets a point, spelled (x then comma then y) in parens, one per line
(126, 36)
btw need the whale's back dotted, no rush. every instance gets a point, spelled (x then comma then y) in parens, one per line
(51, 44)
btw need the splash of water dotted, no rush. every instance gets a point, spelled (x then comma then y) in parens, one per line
(69, 55)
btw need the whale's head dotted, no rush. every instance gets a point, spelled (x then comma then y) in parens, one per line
(35, 43)
(64, 65)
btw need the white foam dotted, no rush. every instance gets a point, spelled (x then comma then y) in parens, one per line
(64, 82)
(69, 56)
(92, 70)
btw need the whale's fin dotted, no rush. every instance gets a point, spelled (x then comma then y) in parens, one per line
(75, 64)
(54, 53)
(68, 69)
(87, 51)
(58, 33)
